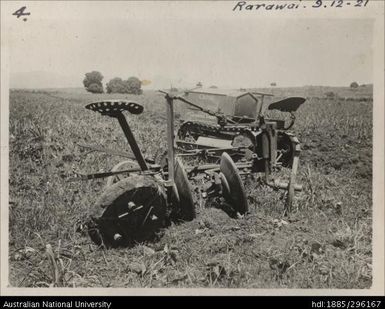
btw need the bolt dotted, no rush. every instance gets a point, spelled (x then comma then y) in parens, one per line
(153, 218)
(131, 205)
(117, 237)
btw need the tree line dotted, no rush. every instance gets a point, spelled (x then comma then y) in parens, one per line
(93, 83)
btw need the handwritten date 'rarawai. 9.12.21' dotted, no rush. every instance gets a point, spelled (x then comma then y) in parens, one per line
(340, 3)
(299, 4)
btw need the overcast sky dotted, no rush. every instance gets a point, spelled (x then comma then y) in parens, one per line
(161, 42)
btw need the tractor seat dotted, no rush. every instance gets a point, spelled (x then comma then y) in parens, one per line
(114, 107)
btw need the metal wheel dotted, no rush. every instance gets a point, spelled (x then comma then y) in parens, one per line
(119, 167)
(233, 189)
(132, 210)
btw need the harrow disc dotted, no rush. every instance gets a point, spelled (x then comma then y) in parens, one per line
(186, 207)
(233, 189)
(133, 210)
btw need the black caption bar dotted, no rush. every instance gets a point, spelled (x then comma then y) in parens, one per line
(110, 302)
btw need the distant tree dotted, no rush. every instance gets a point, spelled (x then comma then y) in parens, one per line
(93, 78)
(354, 85)
(131, 85)
(199, 84)
(116, 85)
(273, 84)
(330, 95)
(213, 87)
(134, 85)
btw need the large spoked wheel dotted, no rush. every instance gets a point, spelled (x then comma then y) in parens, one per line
(232, 185)
(133, 210)
(124, 165)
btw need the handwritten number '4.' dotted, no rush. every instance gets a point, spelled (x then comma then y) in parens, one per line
(20, 12)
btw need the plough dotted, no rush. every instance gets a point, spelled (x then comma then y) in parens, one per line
(143, 196)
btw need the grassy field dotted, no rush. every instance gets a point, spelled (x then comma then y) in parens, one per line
(325, 243)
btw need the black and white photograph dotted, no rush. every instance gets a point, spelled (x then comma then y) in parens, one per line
(192, 147)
